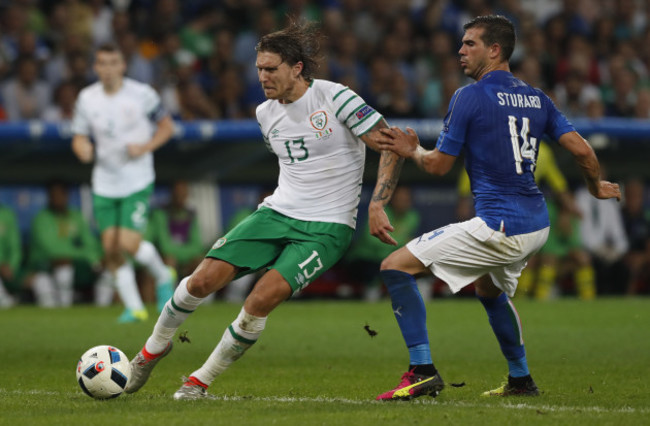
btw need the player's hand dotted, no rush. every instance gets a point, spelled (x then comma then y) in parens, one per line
(606, 189)
(379, 224)
(403, 144)
(85, 152)
(136, 150)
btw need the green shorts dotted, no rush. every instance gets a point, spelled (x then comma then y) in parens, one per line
(130, 212)
(299, 250)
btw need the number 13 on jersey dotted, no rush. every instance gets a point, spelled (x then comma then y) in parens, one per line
(528, 148)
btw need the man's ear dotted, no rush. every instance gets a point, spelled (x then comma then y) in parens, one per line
(495, 51)
(297, 69)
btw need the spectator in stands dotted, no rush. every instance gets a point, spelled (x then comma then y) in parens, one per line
(174, 229)
(622, 98)
(401, 102)
(345, 60)
(58, 68)
(10, 254)
(25, 96)
(196, 35)
(245, 41)
(137, 67)
(221, 59)
(29, 44)
(78, 71)
(366, 254)
(79, 19)
(194, 104)
(228, 95)
(636, 217)
(575, 95)
(102, 22)
(61, 245)
(164, 18)
(171, 55)
(62, 110)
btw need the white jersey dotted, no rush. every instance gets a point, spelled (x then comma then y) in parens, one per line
(321, 157)
(115, 121)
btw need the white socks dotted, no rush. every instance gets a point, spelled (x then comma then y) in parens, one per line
(148, 256)
(237, 338)
(64, 280)
(176, 310)
(127, 287)
(55, 289)
(105, 289)
(44, 290)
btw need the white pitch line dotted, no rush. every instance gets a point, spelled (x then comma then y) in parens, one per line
(346, 401)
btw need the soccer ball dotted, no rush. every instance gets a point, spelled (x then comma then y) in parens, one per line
(103, 372)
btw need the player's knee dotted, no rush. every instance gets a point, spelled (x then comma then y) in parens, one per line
(201, 285)
(486, 289)
(389, 263)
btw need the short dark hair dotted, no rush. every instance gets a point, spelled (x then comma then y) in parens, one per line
(299, 42)
(108, 48)
(498, 30)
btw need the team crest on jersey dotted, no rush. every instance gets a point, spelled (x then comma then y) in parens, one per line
(220, 242)
(318, 120)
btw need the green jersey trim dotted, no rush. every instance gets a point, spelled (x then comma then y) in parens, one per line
(345, 104)
(363, 119)
(337, 95)
(238, 337)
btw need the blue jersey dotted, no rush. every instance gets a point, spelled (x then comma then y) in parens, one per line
(499, 122)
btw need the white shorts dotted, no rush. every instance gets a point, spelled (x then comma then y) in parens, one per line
(461, 253)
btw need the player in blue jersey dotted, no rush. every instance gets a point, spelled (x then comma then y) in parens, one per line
(497, 122)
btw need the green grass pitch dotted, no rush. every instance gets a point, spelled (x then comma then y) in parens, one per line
(316, 364)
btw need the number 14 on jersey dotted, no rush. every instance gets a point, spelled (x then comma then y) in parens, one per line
(528, 147)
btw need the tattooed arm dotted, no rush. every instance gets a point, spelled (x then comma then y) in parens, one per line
(407, 145)
(390, 166)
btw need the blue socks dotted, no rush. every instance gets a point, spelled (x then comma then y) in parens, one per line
(507, 328)
(410, 313)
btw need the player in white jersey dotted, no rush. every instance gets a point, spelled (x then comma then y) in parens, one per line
(318, 130)
(126, 121)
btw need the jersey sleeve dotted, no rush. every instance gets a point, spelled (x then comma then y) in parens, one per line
(351, 110)
(153, 105)
(557, 123)
(80, 123)
(456, 122)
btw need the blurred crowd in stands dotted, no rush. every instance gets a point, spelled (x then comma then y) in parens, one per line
(591, 56)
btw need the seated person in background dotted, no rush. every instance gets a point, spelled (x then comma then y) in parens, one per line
(603, 236)
(563, 254)
(547, 172)
(10, 254)
(174, 229)
(366, 254)
(637, 227)
(61, 242)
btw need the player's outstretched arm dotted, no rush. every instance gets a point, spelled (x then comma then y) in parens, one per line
(83, 148)
(390, 166)
(588, 162)
(407, 145)
(164, 132)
